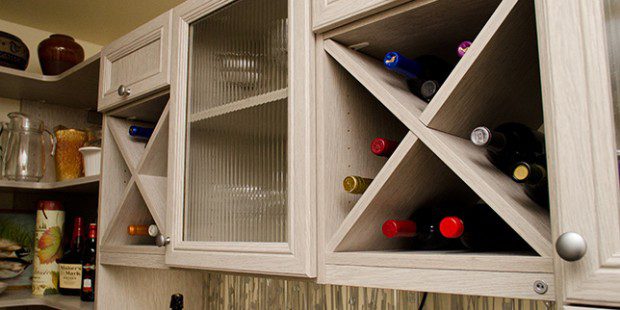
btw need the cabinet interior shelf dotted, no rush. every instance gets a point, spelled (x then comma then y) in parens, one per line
(76, 87)
(24, 297)
(89, 184)
(240, 105)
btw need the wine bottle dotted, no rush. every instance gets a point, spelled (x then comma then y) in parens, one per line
(462, 48)
(509, 144)
(89, 262)
(143, 230)
(140, 132)
(176, 302)
(424, 75)
(423, 229)
(534, 179)
(383, 147)
(70, 265)
(479, 228)
(356, 184)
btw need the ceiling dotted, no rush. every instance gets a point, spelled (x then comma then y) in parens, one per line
(97, 21)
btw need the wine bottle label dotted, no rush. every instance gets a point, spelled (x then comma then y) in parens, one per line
(87, 286)
(70, 276)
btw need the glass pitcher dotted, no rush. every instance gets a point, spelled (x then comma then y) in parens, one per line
(24, 158)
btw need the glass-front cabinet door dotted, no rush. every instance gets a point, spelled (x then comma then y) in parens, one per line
(241, 191)
(579, 43)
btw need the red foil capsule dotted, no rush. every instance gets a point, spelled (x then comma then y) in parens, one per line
(383, 147)
(393, 228)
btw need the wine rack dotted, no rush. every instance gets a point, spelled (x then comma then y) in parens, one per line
(135, 183)
(497, 81)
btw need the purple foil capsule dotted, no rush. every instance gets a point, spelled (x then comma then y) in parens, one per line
(463, 47)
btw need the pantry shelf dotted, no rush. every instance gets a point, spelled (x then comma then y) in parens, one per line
(143, 256)
(89, 184)
(76, 87)
(240, 105)
(24, 297)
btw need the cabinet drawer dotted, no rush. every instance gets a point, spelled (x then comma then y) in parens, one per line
(329, 14)
(137, 62)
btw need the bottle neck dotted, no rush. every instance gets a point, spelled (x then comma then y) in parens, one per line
(76, 238)
(396, 229)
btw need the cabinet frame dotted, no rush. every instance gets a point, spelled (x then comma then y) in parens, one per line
(578, 107)
(297, 257)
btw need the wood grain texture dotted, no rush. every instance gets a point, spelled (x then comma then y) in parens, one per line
(581, 145)
(239, 105)
(76, 87)
(148, 109)
(133, 256)
(154, 162)
(131, 148)
(23, 297)
(153, 190)
(475, 94)
(139, 60)
(89, 184)
(328, 14)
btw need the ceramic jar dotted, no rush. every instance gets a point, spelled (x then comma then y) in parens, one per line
(59, 53)
(13, 52)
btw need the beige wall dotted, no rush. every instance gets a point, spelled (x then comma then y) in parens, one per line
(32, 37)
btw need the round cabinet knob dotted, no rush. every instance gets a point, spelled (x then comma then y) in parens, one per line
(162, 240)
(124, 90)
(571, 246)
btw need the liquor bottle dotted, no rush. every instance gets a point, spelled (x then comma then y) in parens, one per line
(140, 132)
(424, 75)
(462, 48)
(143, 230)
(356, 184)
(479, 228)
(423, 229)
(70, 265)
(383, 147)
(89, 262)
(509, 144)
(534, 179)
(176, 302)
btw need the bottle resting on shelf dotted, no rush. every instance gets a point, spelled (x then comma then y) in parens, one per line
(356, 184)
(423, 229)
(383, 147)
(143, 230)
(479, 228)
(140, 132)
(89, 262)
(509, 144)
(534, 179)
(424, 74)
(70, 265)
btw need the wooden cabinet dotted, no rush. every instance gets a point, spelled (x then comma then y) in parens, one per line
(241, 163)
(329, 14)
(136, 64)
(581, 114)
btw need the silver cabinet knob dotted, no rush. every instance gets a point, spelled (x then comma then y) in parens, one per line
(162, 240)
(571, 246)
(123, 90)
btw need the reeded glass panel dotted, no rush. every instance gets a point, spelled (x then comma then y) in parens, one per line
(236, 178)
(612, 16)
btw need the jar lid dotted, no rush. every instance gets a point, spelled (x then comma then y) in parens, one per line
(49, 205)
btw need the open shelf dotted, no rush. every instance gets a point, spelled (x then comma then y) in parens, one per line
(76, 87)
(433, 164)
(24, 297)
(89, 184)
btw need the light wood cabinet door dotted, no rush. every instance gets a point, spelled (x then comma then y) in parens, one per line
(329, 14)
(580, 56)
(242, 166)
(136, 64)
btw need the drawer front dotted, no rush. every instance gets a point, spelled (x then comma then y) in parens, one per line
(329, 14)
(138, 63)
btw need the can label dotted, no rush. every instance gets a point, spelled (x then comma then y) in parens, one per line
(48, 248)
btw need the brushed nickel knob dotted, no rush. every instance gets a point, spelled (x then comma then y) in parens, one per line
(162, 240)
(571, 246)
(124, 90)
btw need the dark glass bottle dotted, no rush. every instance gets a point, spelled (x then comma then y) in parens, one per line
(423, 229)
(509, 144)
(383, 147)
(89, 262)
(176, 302)
(424, 74)
(70, 265)
(140, 132)
(534, 179)
(479, 228)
